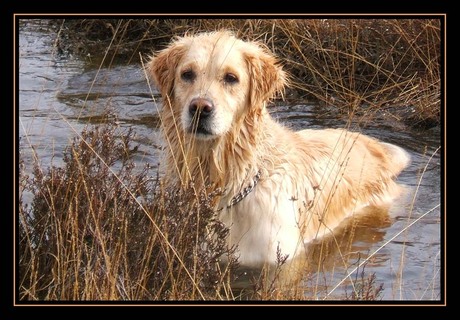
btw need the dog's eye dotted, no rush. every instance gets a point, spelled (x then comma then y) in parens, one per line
(230, 78)
(188, 75)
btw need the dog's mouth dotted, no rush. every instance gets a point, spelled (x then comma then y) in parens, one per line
(201, 130)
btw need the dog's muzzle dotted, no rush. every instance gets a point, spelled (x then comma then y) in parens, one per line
(200, 111)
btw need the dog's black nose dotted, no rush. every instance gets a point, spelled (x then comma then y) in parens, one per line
(202, 106)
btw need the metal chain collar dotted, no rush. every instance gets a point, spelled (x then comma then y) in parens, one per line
(244, 193)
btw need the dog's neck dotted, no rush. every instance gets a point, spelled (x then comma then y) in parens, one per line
(229, 162)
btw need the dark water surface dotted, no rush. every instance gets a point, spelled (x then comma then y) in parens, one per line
(60, 95)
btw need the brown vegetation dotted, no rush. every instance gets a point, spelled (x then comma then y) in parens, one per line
(124, 239)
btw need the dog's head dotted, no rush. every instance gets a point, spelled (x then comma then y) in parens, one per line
(213, 80)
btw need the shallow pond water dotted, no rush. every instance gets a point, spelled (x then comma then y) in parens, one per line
(61, 95)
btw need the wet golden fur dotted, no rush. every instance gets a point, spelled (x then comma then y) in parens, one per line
(310, 180)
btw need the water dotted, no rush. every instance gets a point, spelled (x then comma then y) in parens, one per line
(59, 97)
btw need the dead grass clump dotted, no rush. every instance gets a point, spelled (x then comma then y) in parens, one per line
(99, 229)
(362, 65)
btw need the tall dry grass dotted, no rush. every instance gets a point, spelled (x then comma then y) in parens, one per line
(97, 229)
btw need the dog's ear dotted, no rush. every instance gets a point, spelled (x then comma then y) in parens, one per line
(266, 76)
(163, 65)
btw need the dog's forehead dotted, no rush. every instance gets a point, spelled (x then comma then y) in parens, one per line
(217, 49)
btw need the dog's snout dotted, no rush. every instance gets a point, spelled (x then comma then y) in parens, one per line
(203, 106)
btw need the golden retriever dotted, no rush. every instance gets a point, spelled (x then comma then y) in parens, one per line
(281, 189)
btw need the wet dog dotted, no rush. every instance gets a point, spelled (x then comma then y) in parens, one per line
(282, 188)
